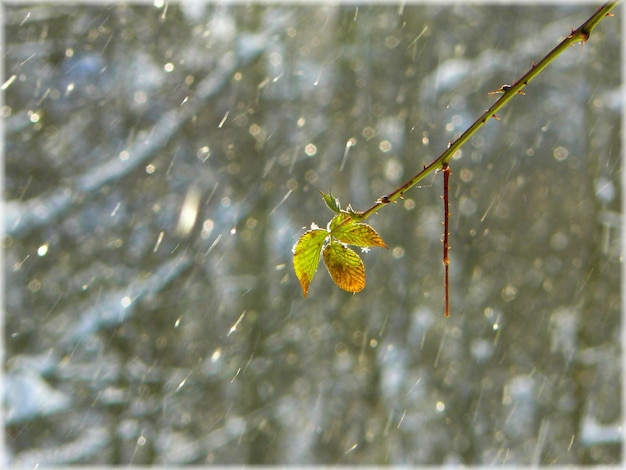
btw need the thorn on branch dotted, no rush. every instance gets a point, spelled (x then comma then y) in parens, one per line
(585, 35)
(504, 88)
(581, 33)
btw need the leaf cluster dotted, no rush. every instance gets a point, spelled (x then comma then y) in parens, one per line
(344, 265)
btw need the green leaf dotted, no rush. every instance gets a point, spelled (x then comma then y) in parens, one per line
(344, 229)
(332, 202)
(340, 219)
(306, 256)
(344, 266)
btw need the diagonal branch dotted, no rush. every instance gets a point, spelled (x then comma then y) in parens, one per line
(581, 34)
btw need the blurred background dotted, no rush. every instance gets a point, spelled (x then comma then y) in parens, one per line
(160, 162)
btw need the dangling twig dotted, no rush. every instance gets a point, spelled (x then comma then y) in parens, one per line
(446, 215)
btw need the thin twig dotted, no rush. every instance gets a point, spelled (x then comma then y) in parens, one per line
(446, 233)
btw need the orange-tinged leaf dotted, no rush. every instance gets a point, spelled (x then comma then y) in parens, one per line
(353, 233)
(344, 266)
(306, 256)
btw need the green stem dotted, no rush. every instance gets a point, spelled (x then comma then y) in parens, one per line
(509, 91)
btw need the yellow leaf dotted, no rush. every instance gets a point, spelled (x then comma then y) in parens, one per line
(359, 235)
(344, 266)
(343, 228)
(306, 256)
(341, 219)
